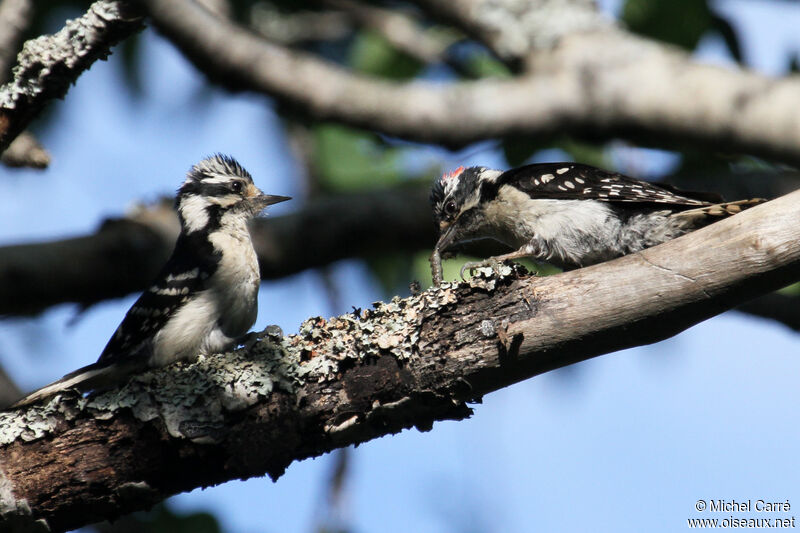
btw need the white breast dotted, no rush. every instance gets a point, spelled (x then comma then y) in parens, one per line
(563, 232)
(213, 319)
(236, 281)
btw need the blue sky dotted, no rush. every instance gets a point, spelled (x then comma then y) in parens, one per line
(625, 442)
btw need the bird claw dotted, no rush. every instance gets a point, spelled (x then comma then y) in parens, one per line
(248, 340)
(473, 265)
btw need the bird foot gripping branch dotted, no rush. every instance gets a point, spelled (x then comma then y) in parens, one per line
(567, 214)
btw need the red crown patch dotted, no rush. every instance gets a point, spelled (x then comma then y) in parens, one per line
(454, 174)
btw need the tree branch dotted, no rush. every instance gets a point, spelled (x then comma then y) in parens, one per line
(406, 363)
(15, 19)
(513, 29)
(298, 27)
(125, 255)
(633, 88)
(48, 65)
(400, 29)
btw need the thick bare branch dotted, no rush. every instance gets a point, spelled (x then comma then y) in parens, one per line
(299, 27)
(603, 83)
(406, 363)
(15, 18)
(400, 29)
(125, 255)
(48, 65)
(513, 29)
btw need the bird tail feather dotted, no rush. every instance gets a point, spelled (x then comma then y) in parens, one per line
(720, 210)
(84, 379)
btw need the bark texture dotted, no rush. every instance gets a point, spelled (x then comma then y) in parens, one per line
(405, 363)
(48, 65)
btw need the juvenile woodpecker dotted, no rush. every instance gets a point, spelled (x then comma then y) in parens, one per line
(204, 299)
(566, 214)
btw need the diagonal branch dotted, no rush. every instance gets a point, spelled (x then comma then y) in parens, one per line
(406, 363)
(605, 82)
(15, 19)
(514, 29)
(48, 65)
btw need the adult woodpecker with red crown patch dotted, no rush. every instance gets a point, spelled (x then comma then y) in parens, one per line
(567, 214)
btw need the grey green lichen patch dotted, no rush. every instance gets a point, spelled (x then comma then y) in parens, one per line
(34, 423)
(189, 398)
(389, 328)
(66, 53)
(392, 327)
(486, 279)
(192, 399)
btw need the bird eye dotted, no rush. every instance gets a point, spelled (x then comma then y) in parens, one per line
(450, 208)
(236, 186)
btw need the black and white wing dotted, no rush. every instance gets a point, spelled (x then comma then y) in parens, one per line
(184, 275)
(570, 181)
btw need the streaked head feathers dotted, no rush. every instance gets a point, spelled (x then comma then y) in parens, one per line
(219, 186)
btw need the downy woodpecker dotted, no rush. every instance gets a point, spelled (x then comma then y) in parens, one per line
(204, 299)
(566, 214)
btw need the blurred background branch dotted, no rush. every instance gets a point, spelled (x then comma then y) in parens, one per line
(126, 254)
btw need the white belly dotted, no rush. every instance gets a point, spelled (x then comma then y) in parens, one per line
(214, 318)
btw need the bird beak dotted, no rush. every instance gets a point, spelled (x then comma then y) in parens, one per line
(259, 201)
(255, 195)
(269, 199)
(447, 237)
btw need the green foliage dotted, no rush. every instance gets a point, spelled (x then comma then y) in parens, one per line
(451, 268)
(791, 290)
(347, 159)
(679, 22)
(393, 272)
(585, 152)
(483, 65)
(519, 149)
(372, 54)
